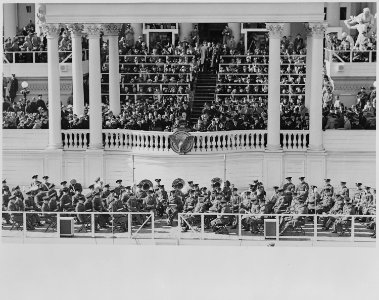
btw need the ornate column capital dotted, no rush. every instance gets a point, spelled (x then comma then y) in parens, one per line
(111, 29)
(316, 30)
(52, 30)
(275, 30)
(76, 29)
(92, 30)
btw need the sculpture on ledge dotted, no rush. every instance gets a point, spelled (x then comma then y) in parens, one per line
(181, 141)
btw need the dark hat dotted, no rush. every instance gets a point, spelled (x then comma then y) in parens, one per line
(256, 181)
(275, 187)
(150, 191)
(280, 190)
(248, 192)
(106, 186)
(4, 181)
(196, 184)
(29, 192)
(358, 184)
(235, 189)
(367, 187)
(204, 188)
(301, 178)
(16, 188)
(34, 176)
(63, 182)
(190, 182)
(65, 190)
(39, 95)
(118, 181)
(327, 180)
(251, 185)
(343, 182)
(45, 177)
(158, 180)
(288, 178)
(313, 186)
(91, 186)
(161, 186)
(97, 179)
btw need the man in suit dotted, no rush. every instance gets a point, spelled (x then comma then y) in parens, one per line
(13, 87)
(204, 53)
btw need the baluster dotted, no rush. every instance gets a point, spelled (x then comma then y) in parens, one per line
(85, 140)
(153, 142)
(167, 143)
(106, 140)
(64, 140)
(75, 144)
(226, 139)
(215, 142)
(118, 140)
(132, 140)
(199, 143)
(140, 141)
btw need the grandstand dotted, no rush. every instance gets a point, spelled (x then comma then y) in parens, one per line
(280, 95)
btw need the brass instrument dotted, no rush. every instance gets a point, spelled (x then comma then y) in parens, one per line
(146, 185)
(178, 184)
(216, 182)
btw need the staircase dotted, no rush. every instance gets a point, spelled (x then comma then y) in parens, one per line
(204, 92)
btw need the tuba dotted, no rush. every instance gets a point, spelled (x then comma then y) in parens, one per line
(178, 184)
(216, 182)
(146, 185)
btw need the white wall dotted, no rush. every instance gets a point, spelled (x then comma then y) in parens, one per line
(23, 16)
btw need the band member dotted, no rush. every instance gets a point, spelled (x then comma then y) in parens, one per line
(172, 210)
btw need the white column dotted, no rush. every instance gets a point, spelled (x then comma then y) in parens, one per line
(137, 29)
(185, 31)
(95, 108)
(315, 112)
(112, 30)
(77, 68)
(308, 69)
(53, 78)
(273, 109)
(236, 31)
(10, 19)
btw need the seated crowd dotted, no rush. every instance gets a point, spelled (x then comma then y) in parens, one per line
(334, 205)
(361, 115)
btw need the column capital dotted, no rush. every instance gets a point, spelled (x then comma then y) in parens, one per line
(92, 30)
(76, 29)
(52, 30)
(275, 30)
(111, 29)
(316, 30)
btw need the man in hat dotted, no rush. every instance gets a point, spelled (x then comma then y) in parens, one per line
(41, 103)
(74, 186)
(149, 202)
(162, 197)
(35, 182)
(98, 184)
(235, 203)
(366, 203)
(174, 203)
(341, 222)
(336, 209)
(219, 224)
(65, 201)
(297, 220)
(53, 202)
(31, 206)
(327, 186)
(343, 190)
(302, 189)
(118, 188)
(288, 186)
(274, 198)
(358, 194)
(281, 204)
(157, 184)
(313, 201)
(63, 185)
(13, 87)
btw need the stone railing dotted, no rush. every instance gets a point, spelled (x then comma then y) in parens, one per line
(33, 57)
(159, 141)
(294, 140)
(350, 56)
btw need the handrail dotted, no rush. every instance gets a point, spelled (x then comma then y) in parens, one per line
(330, 53)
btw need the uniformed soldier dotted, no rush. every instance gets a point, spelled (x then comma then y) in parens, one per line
(302, 189)
(344, 191)
(97, 206)
(17, 192)
(336, 209)
(118, 188)
(348, 210)
(82, 218)
(260, 192)
(6, 193)
(366, 202)
(35, 181)
(29, 205)
(314, 201)
(282, 203)
(190, 202)
(74, 186)
(157, 184)
(172, 210)
(5, 188)
(149, 202)
(161, 200)
(133, 205)
(358, 194)
(254, 209)
(227, 191)
(271, 203)
(63, 185)
(98, 184)
(327, 185)
(327, 200)
(289, 186)
(53, 202)
(65, 201)
(219, 223)
(245, 205)
(297, 220)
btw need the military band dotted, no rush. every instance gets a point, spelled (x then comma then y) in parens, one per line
(222, 204)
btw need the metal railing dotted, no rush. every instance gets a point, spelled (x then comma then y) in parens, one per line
(350, 56)
(39, 56)
(190, 226)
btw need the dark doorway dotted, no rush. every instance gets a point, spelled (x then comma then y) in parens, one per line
(211, 32)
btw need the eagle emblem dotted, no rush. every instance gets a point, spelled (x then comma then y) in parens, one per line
(181, 142)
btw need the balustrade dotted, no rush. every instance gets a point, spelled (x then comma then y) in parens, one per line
(294, 140)
(350, 56)
(38, 56)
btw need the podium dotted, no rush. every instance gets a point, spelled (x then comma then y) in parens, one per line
(270, 228)
(66, 226)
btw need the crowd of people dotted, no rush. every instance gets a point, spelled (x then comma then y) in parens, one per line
(336, 115)
(334, 205)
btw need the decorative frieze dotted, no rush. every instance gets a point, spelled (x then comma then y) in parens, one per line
(275, 30)
(52, 30)
(93, 30)
(111, 28)
(76, 29)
